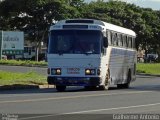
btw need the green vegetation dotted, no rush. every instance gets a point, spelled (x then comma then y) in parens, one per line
(34, 17)
(22, 63)
(149, 68)
(33, 78)
(30, 78)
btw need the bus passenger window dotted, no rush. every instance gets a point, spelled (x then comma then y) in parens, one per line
(124, 41)
(127, 43)
(109, 37)
(115, 40)
(119, 40)
(133, 42)
(112, 38)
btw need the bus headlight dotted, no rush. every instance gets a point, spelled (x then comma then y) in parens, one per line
(90, 71)
(56, 71)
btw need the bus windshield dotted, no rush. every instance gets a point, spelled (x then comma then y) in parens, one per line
(75, 42)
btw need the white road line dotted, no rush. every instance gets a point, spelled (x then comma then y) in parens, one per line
(35, 117)
(110, 109)
(71, 97)
(92, 111)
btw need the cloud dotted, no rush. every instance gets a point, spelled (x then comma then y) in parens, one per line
(154, 4)
(155, 0)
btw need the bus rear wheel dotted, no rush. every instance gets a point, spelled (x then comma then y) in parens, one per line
(89, 87)
(126, 85)
(60, 88)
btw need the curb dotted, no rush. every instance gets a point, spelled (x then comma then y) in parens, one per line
(147, 74)
(41, 66)
(21, 87)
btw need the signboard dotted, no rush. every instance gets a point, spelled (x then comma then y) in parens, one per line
(13, 43)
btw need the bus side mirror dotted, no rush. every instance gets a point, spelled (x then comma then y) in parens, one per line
(105, 42)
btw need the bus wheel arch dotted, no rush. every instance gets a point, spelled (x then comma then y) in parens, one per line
(127, 84)
(129, 78)
(105, 85)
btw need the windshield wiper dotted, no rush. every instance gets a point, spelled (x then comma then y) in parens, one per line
(88, 53)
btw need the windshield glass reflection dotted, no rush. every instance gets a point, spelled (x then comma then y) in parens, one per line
(75, 42)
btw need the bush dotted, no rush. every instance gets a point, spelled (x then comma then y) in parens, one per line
(41, 57)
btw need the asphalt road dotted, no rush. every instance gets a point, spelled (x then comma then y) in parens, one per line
(143, 97)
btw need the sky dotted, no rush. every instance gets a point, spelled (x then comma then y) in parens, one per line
(154, 4)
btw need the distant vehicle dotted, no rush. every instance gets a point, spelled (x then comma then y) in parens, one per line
(29, 52)
(4, 57)
(152, 57)
(91, 53)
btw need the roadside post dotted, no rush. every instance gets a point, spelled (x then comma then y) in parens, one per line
(1, 39)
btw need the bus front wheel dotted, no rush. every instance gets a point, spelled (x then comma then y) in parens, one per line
(60, 88)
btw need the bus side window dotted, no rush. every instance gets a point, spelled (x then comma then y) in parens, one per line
(112, 38)
(127, 43)
(108, 34)
(124, 41)
(121, 36)
(115, 39)
(29, 50)
(119, 40)
(103, 49)
(133, 43)
(25, 49)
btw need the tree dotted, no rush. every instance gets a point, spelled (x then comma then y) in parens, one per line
(34, 17)
(145, 22)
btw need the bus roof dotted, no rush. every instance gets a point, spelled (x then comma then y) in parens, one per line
(107, 26)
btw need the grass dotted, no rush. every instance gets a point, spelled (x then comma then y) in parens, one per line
(23, 63)
(149, 68)
(32, 78)
(29, 78)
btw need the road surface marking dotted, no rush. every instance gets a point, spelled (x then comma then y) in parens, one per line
(41, 116)
(92, 111)
(71, 97)
(110, 109)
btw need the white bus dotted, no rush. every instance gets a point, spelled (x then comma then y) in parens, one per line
(29, 52)
(90, 53)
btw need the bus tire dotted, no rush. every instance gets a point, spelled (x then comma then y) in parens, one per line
(60, 88)
(105, 86)
(89, 87)
(126, 85)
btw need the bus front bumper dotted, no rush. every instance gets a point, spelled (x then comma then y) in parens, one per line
(74, 81)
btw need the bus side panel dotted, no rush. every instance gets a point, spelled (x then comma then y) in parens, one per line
(121, 60)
